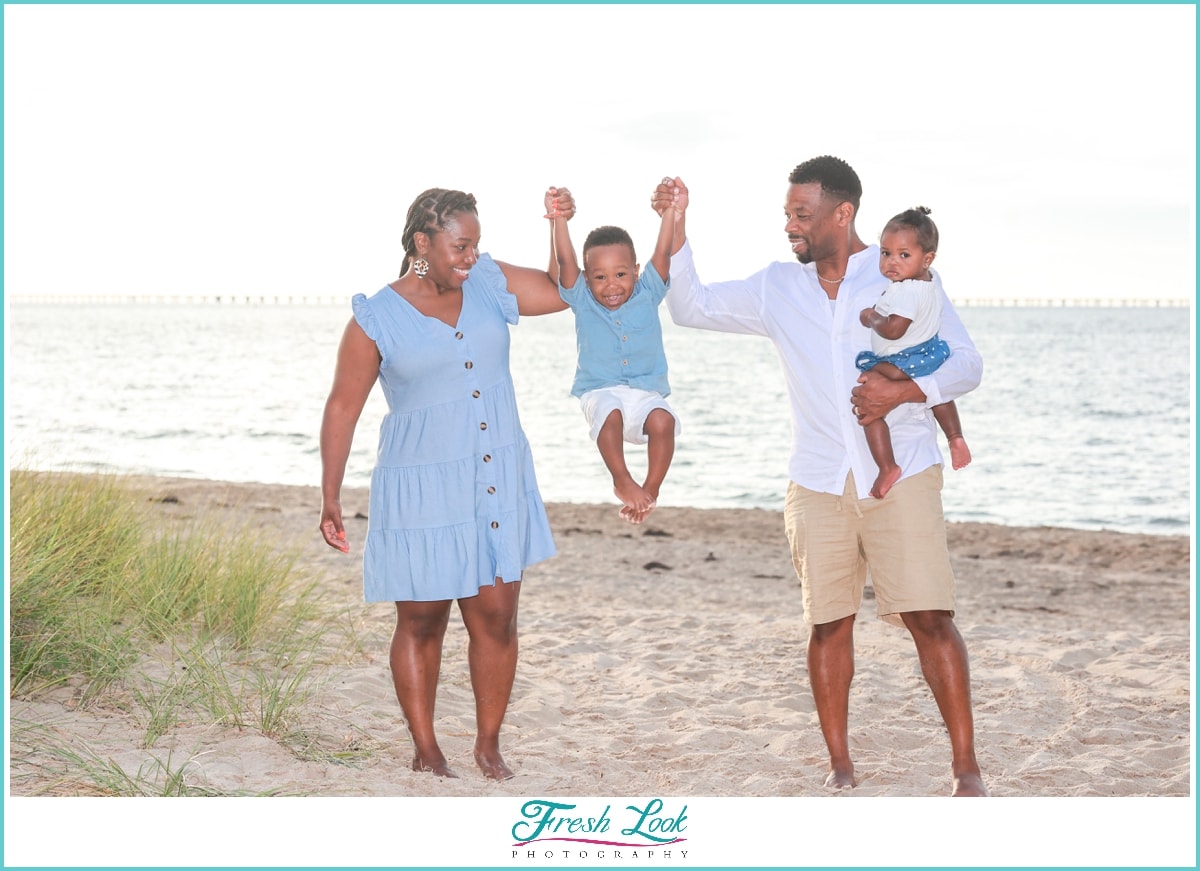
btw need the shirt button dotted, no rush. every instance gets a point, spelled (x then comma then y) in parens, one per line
(624, 362)
(458, 335)
(469, 365)
(491, 489)
(475, 394)
(483, 426)
(624, 338)
(487, 458)
(495, 525)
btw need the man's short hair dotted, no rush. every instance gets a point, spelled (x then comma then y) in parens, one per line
(834, 175)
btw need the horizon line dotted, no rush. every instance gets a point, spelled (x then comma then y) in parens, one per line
(332, 299)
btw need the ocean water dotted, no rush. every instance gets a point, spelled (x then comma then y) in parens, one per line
(1083, 420)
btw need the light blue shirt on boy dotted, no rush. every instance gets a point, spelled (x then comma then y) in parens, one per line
(622, 346)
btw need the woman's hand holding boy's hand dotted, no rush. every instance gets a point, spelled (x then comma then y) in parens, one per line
(559, 204)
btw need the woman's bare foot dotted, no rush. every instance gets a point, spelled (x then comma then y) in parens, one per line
(440, 768)
(841, 778)
(960, 454)
(492, 765)
(886, 480)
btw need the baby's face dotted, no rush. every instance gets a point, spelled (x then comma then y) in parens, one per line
(611, 273)
(901, 257)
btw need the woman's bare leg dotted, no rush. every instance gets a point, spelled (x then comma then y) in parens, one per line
(491, 621)
(416, 660)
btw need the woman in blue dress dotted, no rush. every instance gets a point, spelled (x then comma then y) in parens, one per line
(455, 512)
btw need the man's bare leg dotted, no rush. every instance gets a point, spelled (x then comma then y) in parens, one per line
(830, 670)
(944, 664)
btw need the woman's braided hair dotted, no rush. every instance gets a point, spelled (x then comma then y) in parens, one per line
(428, 214)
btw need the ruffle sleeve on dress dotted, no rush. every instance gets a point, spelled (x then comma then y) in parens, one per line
(487, 273)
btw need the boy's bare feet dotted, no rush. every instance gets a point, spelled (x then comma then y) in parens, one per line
(636, 501)
(886, 480)
(960, 454)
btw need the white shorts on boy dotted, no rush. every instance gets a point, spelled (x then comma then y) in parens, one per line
(634, 404)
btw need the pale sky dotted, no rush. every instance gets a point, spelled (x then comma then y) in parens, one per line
(274, 150)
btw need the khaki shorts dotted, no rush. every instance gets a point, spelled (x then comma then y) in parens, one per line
(900, 538)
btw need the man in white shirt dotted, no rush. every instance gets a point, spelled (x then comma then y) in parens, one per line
(810, 311)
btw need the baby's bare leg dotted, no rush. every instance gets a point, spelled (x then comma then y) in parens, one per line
(879, 440)
(946, 415)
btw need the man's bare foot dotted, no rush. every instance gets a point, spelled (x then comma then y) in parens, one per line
(960, 454)
(441, 768)
(841, 778)
(969, 785)
(886, 480)
(492, 765)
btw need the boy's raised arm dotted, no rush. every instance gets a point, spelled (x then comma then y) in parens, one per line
(560, 208)
(672, 232)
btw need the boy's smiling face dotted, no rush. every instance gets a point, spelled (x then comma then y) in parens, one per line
(611, 273)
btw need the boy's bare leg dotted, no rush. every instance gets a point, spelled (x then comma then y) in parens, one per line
(830, 670)
(491, 621)
(946, 415)
(611, 442)
(416, 660)
(943, 656)
(660, 449)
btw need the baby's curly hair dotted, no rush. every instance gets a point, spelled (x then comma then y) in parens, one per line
(916, 219)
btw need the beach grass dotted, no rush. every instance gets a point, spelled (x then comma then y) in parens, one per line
(194, 623)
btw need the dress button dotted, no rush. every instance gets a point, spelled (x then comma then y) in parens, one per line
(491, 489)
(487, 458)
(475, 394)
(495, 525)
(469, 364)
(458, 335)
(483, 426)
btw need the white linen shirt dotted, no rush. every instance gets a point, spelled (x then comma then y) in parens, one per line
(817, 344)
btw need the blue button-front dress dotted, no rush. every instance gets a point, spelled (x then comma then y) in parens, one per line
(454, 503)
